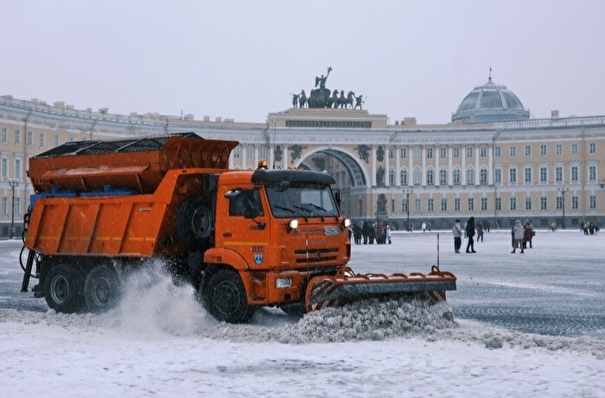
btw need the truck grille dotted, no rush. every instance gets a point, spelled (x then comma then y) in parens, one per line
(316, 256)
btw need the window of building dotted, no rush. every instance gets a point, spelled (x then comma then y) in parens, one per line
(390, 153)
(527, 175)
(592, 147)
(30, 138)
(392, 205)
(542, 150)
(56, 140)
(403, 153)
(574, 173)
(430, 205)
(483, 175)
(444, 205)
(456, 204)
(543, 174)
(417, 205)
(430, 176)
(592, 201)
(4, 206)
(404, 205)
(4, 168)
(498, 204)
(483, 151)
(559, 174)
(527, 150)
(483, 204)
(443, 152)
(574, 149)
(262, 152)
(456, 152)
(512, 175)
(42, 140)
(528, 203)
(498, 176)
(403, 175)
(497, 151)
(443, 176)
(17, 137)
(429, 153)
(237, 152)
(513, 204)
(512, 150)
(559, 203)
(456, 176)
(470, 175)
(574, 203)
(558, 149)
(417, 152)
(391, 176)
(417, 176)
(4, 134)
(18, 168)
(471, 204)
(17, 206)
(592, 173)
(250, 151)
(469, 151)
(543, 203)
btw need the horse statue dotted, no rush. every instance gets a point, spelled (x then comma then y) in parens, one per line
(333, 100)
(350, 100)
(302, 100)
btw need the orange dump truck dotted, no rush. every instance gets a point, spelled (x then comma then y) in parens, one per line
(243, 238)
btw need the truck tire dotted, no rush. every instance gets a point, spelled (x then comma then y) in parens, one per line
(225, 299)
(101, 288)
(195, 222)
(63, 286)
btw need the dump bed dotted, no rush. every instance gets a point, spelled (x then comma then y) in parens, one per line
(135, 164)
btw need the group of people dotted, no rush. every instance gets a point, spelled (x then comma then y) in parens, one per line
(522, 235)
(589, 228)
(378, 232)
(469, 232)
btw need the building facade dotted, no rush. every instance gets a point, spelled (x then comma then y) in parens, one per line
(514, 167)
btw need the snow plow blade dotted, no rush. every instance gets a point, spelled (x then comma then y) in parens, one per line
(347, 287)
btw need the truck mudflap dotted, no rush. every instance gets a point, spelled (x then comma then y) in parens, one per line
(347, 287)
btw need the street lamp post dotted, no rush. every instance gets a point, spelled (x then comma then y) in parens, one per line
(562, 190)
(13, 183)
(407, 193)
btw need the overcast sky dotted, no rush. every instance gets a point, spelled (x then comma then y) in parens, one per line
(243, 59)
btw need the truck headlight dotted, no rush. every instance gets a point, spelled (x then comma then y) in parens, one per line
(283, 283)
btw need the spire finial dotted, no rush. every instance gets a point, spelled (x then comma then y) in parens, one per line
(490, 73)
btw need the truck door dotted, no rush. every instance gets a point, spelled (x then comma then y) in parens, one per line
(244, 226)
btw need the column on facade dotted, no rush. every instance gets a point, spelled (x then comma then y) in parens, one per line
(450, 166)
(285, 156)
(256, 160)
(477, 170)
(397, 166)
(373, 165)
(244, 156)
(410, 165)
(387, 164)
(436, 173)
(463, 165)
(423, 166)
(272, 156)
(490, 164)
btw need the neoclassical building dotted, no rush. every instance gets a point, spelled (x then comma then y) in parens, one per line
(492, 161)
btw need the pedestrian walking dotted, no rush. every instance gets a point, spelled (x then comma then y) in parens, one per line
(457, 232)
(470, 234)
(518, 232)
(389, 234)
(479, 231)
(528, 234)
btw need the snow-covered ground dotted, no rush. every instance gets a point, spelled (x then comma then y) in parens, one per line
(159, 342)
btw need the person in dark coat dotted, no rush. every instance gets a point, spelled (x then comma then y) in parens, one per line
(470, 234)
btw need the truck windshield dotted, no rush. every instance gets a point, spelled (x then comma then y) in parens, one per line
(301, 200)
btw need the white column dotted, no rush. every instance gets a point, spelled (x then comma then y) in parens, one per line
(437, 173)
(463, 156)
(490, 164)
(397, 166)
(423, 168)
(244, 153)
(386, 166)
(373, 165)
(272, 156)
(255, 155)
(477, 171)
(410, 165)
(450, 166)
(285, 156)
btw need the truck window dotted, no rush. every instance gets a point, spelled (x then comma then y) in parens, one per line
(246, 203)
(301, 199)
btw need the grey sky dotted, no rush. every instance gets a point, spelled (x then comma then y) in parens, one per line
(242, 59)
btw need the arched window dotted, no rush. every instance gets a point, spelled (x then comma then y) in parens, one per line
(430, 176)
(456, 176)
(417, 175)
(443, 176)
(403, 175)
(470, 175)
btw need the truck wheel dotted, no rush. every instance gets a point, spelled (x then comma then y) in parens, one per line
(225, 297)
(63, 288)
(195, 222)
(101, 288)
